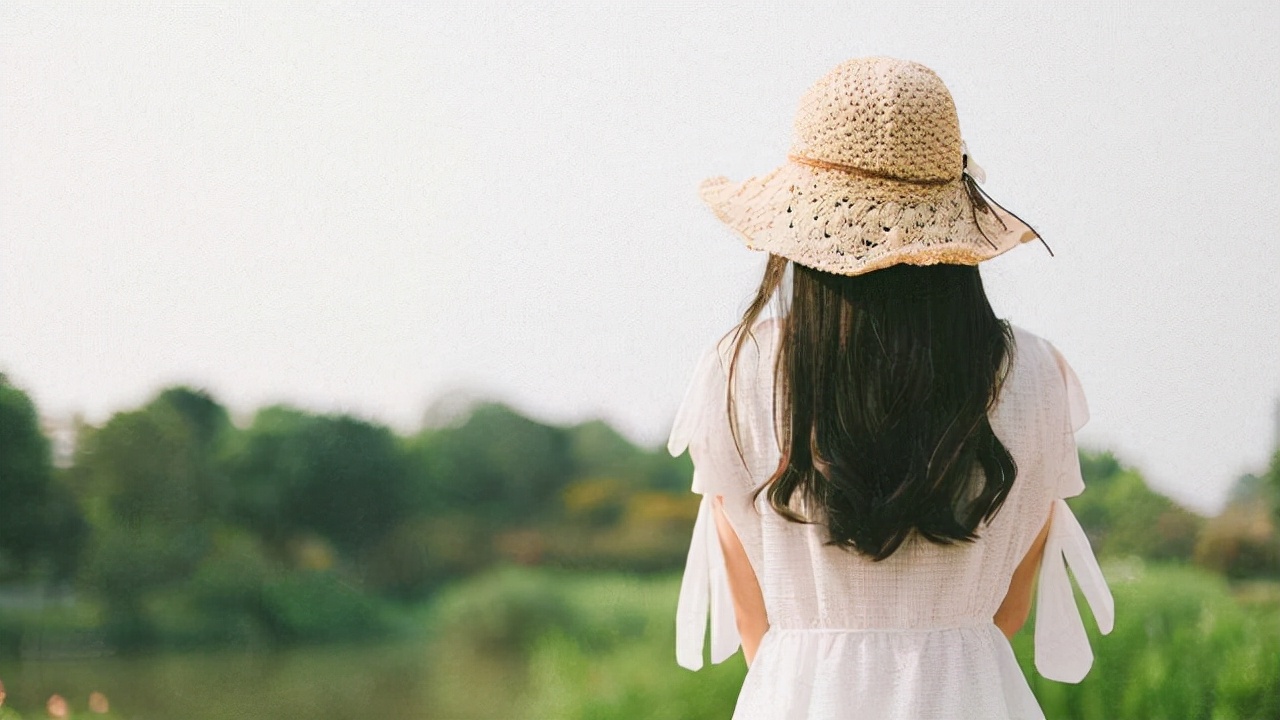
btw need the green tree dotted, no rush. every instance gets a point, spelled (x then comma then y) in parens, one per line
(597, 450)
(1273, 482)
(355, 481)
(1122, 515)
(498, 466)
(1243, 540)
(143, 466)
(267, 468)
(154, 494)
(341, 477)
(39, 517)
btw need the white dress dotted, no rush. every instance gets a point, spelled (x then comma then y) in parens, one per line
(910, 637)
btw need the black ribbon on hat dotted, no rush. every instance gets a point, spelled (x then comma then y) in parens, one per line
(979, 199)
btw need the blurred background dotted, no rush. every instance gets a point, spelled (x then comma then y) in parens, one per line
(338, 341)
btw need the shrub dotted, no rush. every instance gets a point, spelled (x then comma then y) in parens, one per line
(311, 606)
(602, 647)
(1182, 649)
(503, 611)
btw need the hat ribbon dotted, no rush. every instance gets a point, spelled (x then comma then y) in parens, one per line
(863, 172)
(972, 174)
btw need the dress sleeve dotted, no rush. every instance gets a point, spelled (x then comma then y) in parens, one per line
(1062, 650)
(702, 426)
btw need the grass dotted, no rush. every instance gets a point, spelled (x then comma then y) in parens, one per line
(525, 643)
(1183, 648)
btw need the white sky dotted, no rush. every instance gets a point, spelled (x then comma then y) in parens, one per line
(368, 209)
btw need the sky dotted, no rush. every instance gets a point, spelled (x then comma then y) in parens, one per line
(392, 210)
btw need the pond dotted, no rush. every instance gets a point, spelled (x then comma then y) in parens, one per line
(398, 680)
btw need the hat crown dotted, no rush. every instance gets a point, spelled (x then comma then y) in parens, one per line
(885, 116)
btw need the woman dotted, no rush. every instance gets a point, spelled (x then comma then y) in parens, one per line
(883, 462)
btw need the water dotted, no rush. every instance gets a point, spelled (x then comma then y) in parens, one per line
(398, 680)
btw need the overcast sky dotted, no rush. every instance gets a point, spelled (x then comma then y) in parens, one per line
(368, 209)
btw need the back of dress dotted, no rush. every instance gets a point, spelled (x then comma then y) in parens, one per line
(911, 636)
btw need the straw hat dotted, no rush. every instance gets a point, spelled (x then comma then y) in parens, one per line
(877, 175)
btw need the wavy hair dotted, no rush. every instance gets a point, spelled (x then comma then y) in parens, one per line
(883, 382)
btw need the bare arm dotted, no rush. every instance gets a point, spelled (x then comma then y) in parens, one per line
(1013, 612)
(748, 600)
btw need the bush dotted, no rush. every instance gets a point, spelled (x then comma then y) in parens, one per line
(618, 662)
(1182, 649)
(602, 647)
(502, 611)
(320, 606)
(1241, 542)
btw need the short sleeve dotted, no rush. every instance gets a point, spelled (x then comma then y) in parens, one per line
(1075, 414)
(702, 426)
(1062, 650)
(723, 464)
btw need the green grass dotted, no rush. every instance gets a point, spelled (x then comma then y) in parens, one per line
(533, 644)
(1183, 649)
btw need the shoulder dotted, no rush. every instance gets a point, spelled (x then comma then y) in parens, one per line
(1034, 351)
(705, 402)
(1038, 358)
(1029, 346)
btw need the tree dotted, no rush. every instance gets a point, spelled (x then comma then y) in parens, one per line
(1273, 481)
(498, 466)
(355, 481)
(1243, 540)
(336, 475)
(143, 466)
(39, 518)
(155, 494)
(267, 468)
(1123, 516)
(598, 450)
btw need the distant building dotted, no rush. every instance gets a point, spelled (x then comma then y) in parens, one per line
(1275, 441)
(62, 433)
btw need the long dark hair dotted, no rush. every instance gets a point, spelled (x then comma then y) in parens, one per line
(883, 382)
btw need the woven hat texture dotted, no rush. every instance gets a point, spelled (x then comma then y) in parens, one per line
(876, 176)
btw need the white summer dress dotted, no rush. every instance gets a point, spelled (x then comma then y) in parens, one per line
(910, 637)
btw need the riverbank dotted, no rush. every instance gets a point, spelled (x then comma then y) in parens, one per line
(536, 643)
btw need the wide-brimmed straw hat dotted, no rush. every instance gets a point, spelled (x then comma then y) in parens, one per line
(877, 175)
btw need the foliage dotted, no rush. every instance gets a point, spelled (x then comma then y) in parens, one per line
(341, 477)
(521, 642)
(1123, 516)
(40, 520)
(181, 529)
(153, 494)
(1272, 477)
(502, 611)
(1272, 481)
(1182, 649)
(498, 466)
(203, 531)
(1243, 541)
(164, 485)
(421, 554)
(321, 606)
(649, 531)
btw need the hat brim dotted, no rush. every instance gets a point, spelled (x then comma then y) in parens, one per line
(850, 224)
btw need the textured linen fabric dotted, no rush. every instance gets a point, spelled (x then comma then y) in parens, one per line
(912, 636)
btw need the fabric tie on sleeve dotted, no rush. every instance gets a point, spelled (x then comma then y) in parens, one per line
(704, 590)
(1062, 650)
